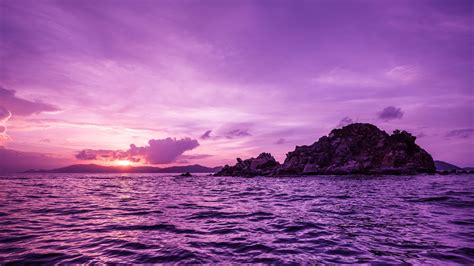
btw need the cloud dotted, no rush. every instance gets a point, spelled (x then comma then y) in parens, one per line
(158, 151)
(167, 150)
(229, 131)
(88, 155)
(461, 133)
(237, 133)
(345, 77)
(280, 141)
(390, 113)
(403, 73)
(105, 155)
(345, 121)
(206, 134)
(4, 138)
(4, 117)
(16, 161)
(421, 135)
(195, 156)
(22, 107)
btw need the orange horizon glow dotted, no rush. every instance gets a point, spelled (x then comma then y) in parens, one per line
(122, 162)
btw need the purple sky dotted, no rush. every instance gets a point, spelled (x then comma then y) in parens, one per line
(207, 81)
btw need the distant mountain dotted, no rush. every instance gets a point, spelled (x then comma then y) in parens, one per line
(444, 166)
(94, 168)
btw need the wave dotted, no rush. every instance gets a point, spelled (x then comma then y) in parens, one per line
(74, 219)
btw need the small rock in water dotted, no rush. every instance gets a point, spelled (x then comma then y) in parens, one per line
(186, 174)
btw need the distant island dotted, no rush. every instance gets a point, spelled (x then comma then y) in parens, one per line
(354, 149)
(447, 168)
(95, 168)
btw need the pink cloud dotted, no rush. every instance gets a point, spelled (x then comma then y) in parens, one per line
(158, 151)
(161, 151)
(105, 155)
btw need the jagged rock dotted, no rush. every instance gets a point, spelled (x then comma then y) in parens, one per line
(187, 174)
(264, 164)
(359, 149)
(354, 149)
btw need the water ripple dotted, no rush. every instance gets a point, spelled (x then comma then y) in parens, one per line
(140, 218)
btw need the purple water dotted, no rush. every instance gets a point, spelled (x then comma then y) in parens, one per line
(77, 218)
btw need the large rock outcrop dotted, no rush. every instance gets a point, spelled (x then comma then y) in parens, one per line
(359, 149)
(354, 149)
(264, 164)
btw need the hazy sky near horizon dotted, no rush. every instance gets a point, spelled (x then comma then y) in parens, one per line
(206, 81)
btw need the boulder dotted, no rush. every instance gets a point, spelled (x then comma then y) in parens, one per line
(187, 174)
(264, 164)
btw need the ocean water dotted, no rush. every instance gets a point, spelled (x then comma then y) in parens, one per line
(136, 218)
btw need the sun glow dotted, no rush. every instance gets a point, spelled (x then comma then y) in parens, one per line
(123, 162)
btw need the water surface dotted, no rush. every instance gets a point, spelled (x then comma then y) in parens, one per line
(78, 218)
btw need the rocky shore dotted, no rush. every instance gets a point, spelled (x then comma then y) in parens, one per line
(354, 149)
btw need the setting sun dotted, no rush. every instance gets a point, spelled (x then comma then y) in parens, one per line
(123, 162)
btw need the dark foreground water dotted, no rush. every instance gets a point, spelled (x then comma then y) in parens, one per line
(164, 219)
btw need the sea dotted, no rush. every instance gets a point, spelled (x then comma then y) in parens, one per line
(150, 218)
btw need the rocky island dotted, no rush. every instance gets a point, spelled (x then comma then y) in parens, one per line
(354, 149)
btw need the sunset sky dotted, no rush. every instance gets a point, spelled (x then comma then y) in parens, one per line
(185, 82)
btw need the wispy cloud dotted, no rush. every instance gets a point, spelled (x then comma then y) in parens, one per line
(206, 134)
(280, 141)
(346, 77)
(238, 132)
(403, 73)
(461, 133)
(397, 75)
(345, 121)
